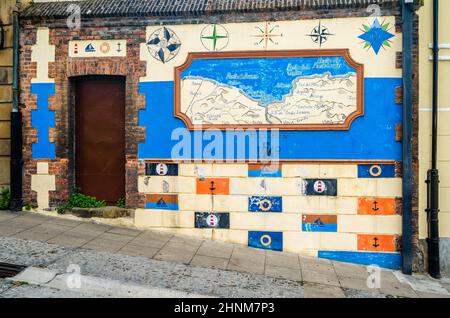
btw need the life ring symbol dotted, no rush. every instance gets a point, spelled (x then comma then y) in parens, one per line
(266, 240)
(105, 47)
(265, 205)
(375, 171)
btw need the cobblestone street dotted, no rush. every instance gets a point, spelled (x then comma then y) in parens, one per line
(126, 262)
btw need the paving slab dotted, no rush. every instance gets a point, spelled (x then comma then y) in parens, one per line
(283, 273)
(215, 249)
(210, 261)
(282, 260)
(350, 270)
(67, 240)
(42, 232)
(22, 224)
(246, 265)
(64, 222)
(175, 253)
(6, 216)
(322, 291)
(316, 265)
(35, 275)
(125, 231)
(7, 230)
(108, 242)
(138, 250)
(320, 277)
(356, 283)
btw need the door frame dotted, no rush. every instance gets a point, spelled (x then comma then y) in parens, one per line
(72, 125)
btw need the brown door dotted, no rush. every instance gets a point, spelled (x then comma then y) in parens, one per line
(100, 137)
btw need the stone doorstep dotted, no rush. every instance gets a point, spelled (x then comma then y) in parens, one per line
(109, 212)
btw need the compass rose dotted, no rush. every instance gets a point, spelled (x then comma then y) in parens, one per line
(266, 35)
(163, 44)
(214, 37)
(320, 34)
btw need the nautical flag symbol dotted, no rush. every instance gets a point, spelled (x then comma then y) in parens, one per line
(319, 223)
(162, 201)
(89, 48)
(319, 186)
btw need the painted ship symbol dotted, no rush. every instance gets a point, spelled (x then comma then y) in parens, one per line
(89, 48)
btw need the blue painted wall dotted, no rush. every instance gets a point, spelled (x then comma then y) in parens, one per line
(43, 119)
(384, 260)
(370, 137)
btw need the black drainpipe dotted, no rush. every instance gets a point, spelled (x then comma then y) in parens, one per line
(16, 124)
(433, 174)
(408, 70)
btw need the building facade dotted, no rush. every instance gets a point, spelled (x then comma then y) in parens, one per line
(275, 125)
(6, 71)
(426, 73)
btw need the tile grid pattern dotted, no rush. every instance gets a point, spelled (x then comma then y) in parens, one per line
(283, 201)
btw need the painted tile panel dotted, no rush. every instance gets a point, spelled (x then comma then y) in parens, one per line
(266, 171)
(161, 169)
(384, 260)
(325, 187)
(266, 240)
(265, 204)
(162, 201)
(377, 206)
(319, 223)
(213, 186)
(377, 243)
(206, 220)
(376, 171)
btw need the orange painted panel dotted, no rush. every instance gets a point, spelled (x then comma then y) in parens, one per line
(376, 243)
(213, 186)
(376, 206)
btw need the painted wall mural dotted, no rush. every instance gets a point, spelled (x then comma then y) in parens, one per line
(336, 192)
(98, 48)
(278, 89)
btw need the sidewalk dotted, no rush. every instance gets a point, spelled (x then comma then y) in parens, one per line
(27, 239)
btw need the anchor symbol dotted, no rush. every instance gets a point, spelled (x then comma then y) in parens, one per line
(212, 187)
(375, 244)
(375, 207)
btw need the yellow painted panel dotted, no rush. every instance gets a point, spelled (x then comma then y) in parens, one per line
(444, 224)
(444, 170)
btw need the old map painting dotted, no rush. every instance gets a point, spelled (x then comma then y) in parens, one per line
(316, 90)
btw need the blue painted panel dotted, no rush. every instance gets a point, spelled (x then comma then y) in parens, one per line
(159, 206)
(43, 119)
(314, 227)
(266, 240)
(265, 204)
(376, 171)
(370, 137)
(384, 260)
(264, 174)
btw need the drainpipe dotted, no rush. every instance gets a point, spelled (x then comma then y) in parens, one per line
(16, 122)
(433, 173)
(408, 70)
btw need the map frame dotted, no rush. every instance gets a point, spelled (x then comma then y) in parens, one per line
(345, 53)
